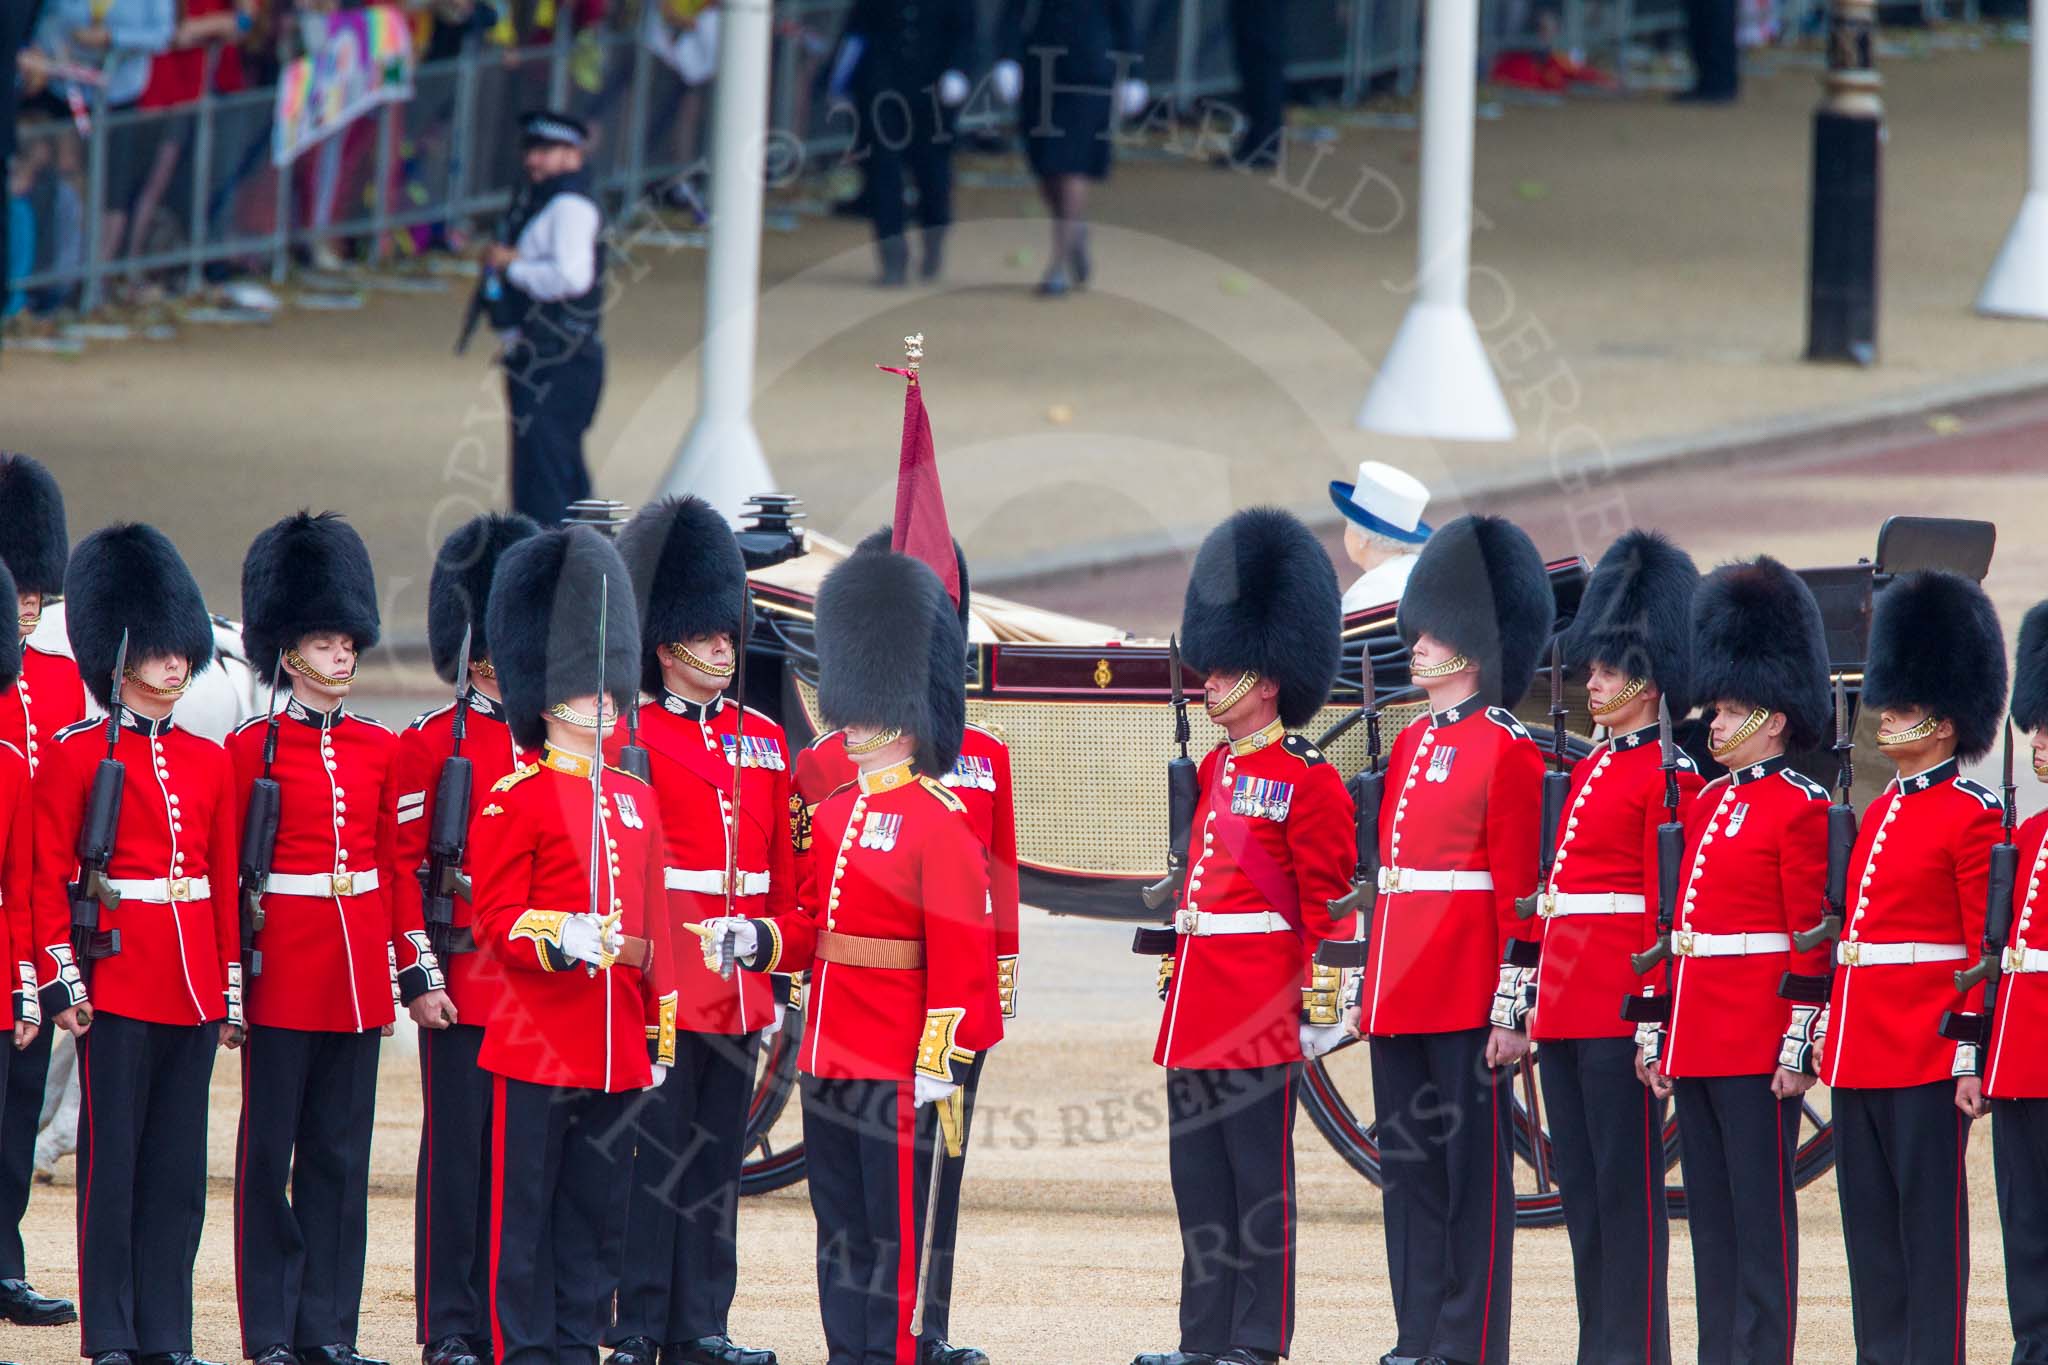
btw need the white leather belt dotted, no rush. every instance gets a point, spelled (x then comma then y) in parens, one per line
(161, 890)
(711, 881)
(1688, 944)
(1204, 923)
(322, 884)
(2025, 960)
(1589, 903)
(1889, 954)
(1401, 879)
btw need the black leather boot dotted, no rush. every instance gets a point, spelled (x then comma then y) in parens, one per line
(21, 1305)
(718, 1350)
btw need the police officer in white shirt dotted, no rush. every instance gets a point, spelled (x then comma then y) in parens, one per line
(546, 294)
(1383, 531)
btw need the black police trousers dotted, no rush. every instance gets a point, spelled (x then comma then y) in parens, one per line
(553, 399)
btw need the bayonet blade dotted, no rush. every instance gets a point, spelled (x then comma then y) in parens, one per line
(1841, 713)
(2010, 792)
(120, 670)
(1667, 748)
(462, 673)
(1557, 707)
(1173, 655)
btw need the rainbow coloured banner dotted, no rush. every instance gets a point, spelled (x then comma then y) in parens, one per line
(364, 60)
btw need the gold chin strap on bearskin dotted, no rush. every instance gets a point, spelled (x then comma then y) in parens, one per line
(1890, 739)
(882, 739)
(1624, 697)
(483, 668)
(685, 655)
(297, 664)
(582, 720)
(29, 623)
(1751, 723)
(1239, 690)
(132, 676)
(1457, 663)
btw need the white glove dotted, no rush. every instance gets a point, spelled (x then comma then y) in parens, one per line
(776, 1026)
(953, 89)
(585, 939)
(1009, 79)
(926, 1090)
(745, 938)
(1316, 1039)
(660, 1075)
(1132, 96)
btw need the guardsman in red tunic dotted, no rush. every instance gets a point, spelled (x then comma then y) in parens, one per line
(46, 696)
(1903, 1095)
(161, 983)
(1738, 1056)
(980, 777)
(893, 924)
(1270, 846)
(450, 996)
(2016, 1071)
(721, 776)
(17, 821)
(1445, 991)
(566, 868)
(317, 973)
(1633, 638)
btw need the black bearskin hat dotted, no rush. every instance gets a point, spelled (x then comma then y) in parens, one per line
(459, 589)
(303, 575)
(543, 626)
(1263, 598)
(1935, 642)
(688, 576)
(129, 576)
(33, 541)
(1757, 638)
(1636, 615)
(2030, 671)
(890, 654)
(10, 640)
(881, 540)
(1479, 586)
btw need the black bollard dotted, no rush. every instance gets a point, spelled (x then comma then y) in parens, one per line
(1848, 138)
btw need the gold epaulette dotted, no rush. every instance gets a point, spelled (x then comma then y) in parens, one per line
(515, 777)
(943, 793)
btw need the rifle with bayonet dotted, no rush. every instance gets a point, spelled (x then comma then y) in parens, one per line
(1975, 1029)
(92, 891)
(1557, 785)
(1366, 791)
(1642, 1009)
(442, 879)
(726, 957)
(1841, 833)
(1183, 791)
(259, 834)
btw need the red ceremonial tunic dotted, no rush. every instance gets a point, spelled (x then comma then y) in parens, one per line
(1756, 862)
(47, 696)
(17, 868)
(326, 954)
(1606, 850)
(1464, 796)
(893, 859)
(472, 979)
(176, 842)
(559, 1022)
(1923, 857)
(693, 750)
(1273, 838)
(2021, 1071)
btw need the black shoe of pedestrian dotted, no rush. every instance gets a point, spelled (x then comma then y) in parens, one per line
(1174, 1358)
(718, 1350)
(450, 1351)
(113, 1358)
(21, 1305)
(279, 1354)
(634, 1351)
(936, 1352)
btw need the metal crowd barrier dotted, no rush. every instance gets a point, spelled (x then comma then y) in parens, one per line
(447, 156)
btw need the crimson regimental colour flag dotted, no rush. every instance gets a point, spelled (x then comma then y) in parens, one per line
(920, 529)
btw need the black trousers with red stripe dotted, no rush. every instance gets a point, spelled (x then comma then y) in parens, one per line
(2019, 1151)
(141, 1181)
(1905, 1220)
(938, 1290)
(1230, 1147)
(302, 1185)
(21, 1114)
(682, 1220)
(1448, 1179)
(1736, 1141)
(868, 1155)
(559, 1157)
(1607, 1148)
(452, 1194)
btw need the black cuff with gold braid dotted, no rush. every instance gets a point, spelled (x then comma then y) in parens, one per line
(1320, 1005)
(767, 947)
(1006, 985)
(936, 1051)
(544, 929)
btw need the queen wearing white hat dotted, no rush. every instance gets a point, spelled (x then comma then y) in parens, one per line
(1383, 531)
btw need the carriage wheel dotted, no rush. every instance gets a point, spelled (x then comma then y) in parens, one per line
(1541, 1205)
(766, 1166)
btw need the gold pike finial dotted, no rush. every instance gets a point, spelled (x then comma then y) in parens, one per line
(913, 350)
